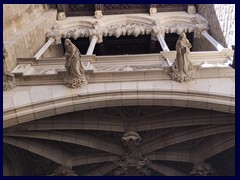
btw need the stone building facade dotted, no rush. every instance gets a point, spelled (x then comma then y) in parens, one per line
(118, 89)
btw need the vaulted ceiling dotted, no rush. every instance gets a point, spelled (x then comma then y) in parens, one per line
(127, 141)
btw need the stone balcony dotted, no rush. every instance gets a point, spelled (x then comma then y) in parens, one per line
(207, 64)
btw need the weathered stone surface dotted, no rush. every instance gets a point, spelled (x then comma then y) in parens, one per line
(26, 41)
(221, 21)
(17, 16)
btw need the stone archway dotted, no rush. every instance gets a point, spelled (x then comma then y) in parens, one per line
(129, 140)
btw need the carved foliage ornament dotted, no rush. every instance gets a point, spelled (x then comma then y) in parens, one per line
(124, 29)
(54, 32)
(178, 28)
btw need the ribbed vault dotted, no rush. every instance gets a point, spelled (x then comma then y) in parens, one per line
(102, 141)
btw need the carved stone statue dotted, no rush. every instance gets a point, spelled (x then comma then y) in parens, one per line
(182, 68)
(75, 72)
(8, 78)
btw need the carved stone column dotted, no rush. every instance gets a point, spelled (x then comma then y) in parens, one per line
(162, 42)
(44, 48)
(201, 30)
(95, 36)
(218, 46)
(92, 45)
(159, 34)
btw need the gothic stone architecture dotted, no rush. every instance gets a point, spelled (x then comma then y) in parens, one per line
(118, 90)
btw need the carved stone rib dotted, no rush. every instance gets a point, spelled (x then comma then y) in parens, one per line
(82, 139)
(52, 152)
(101, 170)
(183, 135)
(165, 170)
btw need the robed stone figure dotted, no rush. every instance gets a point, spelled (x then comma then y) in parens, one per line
(75, 72)
(182, 68)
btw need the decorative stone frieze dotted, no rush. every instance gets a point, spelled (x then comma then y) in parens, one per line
(75, 72)
(8, 78)
(76, 33)
(179, 28)
(128, 29)
(182, 68)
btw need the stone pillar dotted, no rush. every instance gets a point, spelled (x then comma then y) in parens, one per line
(162, 42)
(44, 48)
(92, 45)
(218, 46)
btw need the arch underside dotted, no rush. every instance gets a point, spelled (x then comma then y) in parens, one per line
(90, 141)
